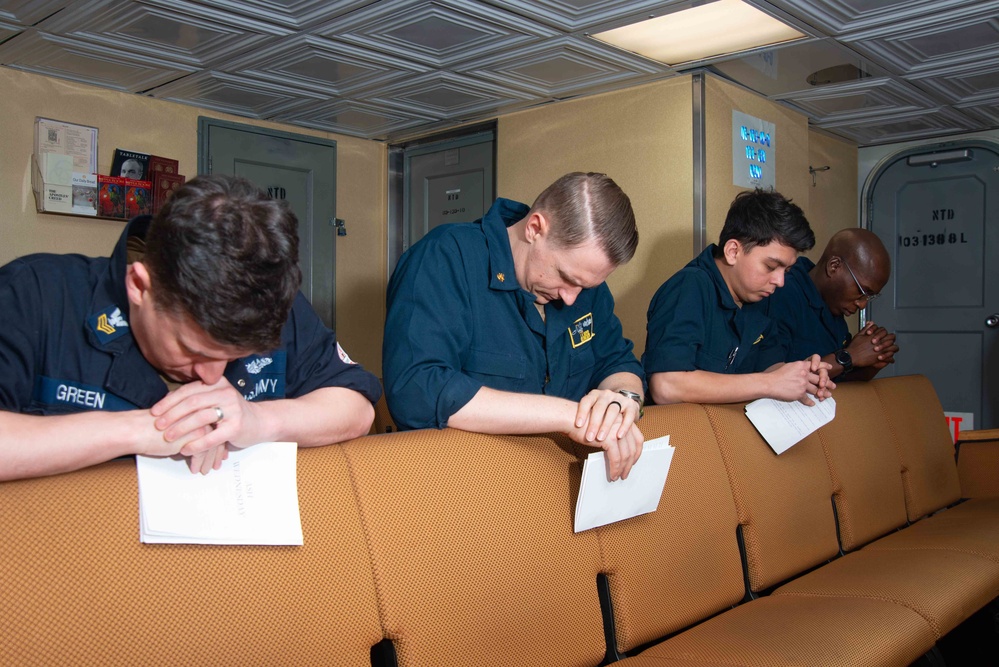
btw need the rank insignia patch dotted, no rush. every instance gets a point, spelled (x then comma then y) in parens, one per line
(108, 324)
(581, 330)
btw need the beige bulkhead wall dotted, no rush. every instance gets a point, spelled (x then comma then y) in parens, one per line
(832, 200)
(165, 128)
(641, 138)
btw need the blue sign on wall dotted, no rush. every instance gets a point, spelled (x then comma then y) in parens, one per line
(754, 152)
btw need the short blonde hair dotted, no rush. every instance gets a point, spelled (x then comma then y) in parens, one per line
(581, 206)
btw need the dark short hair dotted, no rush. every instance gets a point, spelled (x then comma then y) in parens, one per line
(224, 253)
(581, 206)
(760, 217)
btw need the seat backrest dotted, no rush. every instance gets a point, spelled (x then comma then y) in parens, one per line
(473, 551)
(924, 445)
(784, 502)
(79, 587)
(864, 466)
(672, 568)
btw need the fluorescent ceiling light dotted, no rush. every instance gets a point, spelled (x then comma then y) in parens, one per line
(717, 28)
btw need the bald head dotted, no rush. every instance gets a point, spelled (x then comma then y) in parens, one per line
(854, 250)
(862, 249)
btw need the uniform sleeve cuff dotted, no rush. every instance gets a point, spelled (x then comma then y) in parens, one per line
(458, 391)
(667, 361)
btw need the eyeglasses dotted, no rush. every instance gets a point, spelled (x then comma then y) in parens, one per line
(864, 294)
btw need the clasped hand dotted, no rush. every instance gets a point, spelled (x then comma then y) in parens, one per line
(873, 347)
(606, 419)
(802, 380)
(189, 415)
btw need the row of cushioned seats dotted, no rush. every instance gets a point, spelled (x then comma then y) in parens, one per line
(452, 548)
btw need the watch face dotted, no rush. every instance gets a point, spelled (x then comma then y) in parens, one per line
(843, 358)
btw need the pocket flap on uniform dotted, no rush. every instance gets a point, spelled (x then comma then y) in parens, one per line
(496, 363)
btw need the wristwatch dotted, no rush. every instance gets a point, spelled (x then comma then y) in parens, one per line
(844, 359)
(635, 397)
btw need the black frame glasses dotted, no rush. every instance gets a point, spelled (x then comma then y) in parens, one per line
(864, 294)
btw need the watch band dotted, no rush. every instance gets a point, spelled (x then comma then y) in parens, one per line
(635, 397)
(844, 359)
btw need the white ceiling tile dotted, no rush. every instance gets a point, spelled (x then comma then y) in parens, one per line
(965, 84)
(7, 31)
(838, 17)
(185, 33)
(66, 58)
(323, 66)
(29, 12)
(986, 111)
(354, 118)
(558, 67)
(296, 14)
(445, 95)
(235, 94)
(577, 15)
(962, 35)
(904, 127)
(858, 100)
(438, 33)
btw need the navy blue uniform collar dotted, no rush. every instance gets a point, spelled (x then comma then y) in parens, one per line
(108, 329)
(706, 261)
(110, 293)
(502, 214)
(748, 322)
(808, 286)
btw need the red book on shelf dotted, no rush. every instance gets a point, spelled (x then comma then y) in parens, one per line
(123, 198)
(162, 164)
(137, 199)
(164, 185)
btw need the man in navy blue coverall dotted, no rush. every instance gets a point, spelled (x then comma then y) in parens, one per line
(705, 343)
(811, 309)
(505, 325)
(191, 338)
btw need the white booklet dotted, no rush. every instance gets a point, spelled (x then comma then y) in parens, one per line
(786, 423)
(252, 499)
(601, 502)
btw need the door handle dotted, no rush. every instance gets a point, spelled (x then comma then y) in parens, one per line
(992, 321)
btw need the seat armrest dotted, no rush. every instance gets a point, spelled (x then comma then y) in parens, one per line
(979, 435)
(978, 463)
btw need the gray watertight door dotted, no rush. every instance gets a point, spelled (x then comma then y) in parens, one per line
(936, 208)
(297, 168)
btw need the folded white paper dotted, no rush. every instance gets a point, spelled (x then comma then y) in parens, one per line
(252, 499)
(786, 423)
(601, 502)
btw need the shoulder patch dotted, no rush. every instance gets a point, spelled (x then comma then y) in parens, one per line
(343, 355)
(108, 324)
